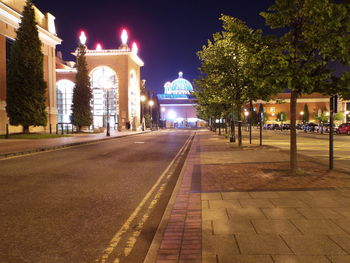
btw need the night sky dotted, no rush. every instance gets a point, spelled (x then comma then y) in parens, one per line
(168, 33)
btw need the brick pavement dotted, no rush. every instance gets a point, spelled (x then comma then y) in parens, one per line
(253, 211)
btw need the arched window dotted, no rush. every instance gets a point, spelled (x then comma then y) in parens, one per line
(133, 96)
(104, 84)
(64, 89)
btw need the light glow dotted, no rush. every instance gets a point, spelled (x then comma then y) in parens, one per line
(163, 109)
(151, 103)
(134, 49)
(246, 113)
(172, 115)
(346, 112)
(98, 47)
(124, 37)
(301, 113)
(143, 98)
(82, 38)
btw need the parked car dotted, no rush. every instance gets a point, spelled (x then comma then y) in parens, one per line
(344, 128)
(267, 126)
(286, 126)
(275, 126)
(310, 127)
(300, 126)
(326, 126)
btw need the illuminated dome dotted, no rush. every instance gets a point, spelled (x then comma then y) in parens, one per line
(179, 86)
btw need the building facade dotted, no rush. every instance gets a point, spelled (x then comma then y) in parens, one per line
(316, 103)
(10, 14)
(177, 104)
(115, 82)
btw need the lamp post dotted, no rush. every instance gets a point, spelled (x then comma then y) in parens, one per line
(108, 131)
(143, 99)
(163, 111)
(151, 103)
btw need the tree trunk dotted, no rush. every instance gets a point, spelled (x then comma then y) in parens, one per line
(226, 128)
(239, 112)
(26, 129)
(293, 133)
(220, 126)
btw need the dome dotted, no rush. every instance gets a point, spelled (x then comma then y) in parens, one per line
(180, 86)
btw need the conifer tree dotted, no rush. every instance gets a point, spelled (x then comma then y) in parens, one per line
(82, 94)
(26, 88)
(306, 116)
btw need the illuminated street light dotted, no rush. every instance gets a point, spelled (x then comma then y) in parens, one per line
(134, 48)
(98, 47)
(82, 38)
(301, 113)
(327, 113)
(124, 37)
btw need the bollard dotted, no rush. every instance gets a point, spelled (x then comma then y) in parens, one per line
(50, 127)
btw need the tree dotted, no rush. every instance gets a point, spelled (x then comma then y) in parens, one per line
(225, 63)
(316, 33)
(281, 117)
(82, 94)
(306, 115)
(26, 88)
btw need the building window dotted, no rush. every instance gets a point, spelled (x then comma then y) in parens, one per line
(348, 106)
(104, 84)
(64, 100)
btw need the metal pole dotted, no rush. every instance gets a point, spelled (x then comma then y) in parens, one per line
(7, 131)
(261, 126)
(151, 118)
(108, 133)
(250, 122)
(50, 127)
(331, 144)
(56, 128)
(62, 131)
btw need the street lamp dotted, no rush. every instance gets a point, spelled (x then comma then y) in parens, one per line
(143, 99)
(151, 103)
(163, 112)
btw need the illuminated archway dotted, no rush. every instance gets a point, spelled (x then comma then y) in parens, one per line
(133, 96)
(64, 91)
(104, 84)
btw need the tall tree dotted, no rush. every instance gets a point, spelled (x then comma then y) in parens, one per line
(26, 88)
(316, 32)
(225, 64)
(82, 93)
(306, 115)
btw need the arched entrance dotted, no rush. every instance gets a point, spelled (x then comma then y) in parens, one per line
(64, 91)
(104, 84)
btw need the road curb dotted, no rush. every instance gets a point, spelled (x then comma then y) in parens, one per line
(152, 253)
(4, 156)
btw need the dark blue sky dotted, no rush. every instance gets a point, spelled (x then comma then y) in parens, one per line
(169, 33)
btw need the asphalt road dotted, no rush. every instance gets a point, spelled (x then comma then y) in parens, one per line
(94, 203)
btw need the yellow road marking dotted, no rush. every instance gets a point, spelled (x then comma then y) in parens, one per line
(131, 242)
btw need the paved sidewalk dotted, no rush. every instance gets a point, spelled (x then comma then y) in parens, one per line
(241, 205)
(11, 147)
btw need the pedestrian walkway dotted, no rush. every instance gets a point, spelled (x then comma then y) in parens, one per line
(11, 147)
(241, 205)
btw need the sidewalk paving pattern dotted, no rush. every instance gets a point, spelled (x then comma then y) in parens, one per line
(240, 205)
(252, 210)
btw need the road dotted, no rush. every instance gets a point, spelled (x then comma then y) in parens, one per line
(100, 202)
(310, 144)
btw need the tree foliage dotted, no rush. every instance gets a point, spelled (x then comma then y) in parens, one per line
(224, 84)
(26, 88)
(306, 115)
(82, 93)
(316, 34)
